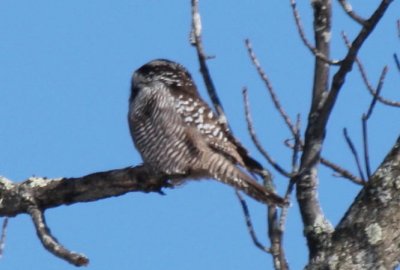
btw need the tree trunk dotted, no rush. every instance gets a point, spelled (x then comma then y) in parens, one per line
(368, 237)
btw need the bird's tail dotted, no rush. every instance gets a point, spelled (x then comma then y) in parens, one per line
(225, 171)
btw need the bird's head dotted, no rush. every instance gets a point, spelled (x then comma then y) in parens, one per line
(173, 75)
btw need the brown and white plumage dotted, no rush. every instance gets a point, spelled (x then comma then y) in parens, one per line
(179, 136)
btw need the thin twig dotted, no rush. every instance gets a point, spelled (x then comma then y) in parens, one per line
(50, 243)
(398, 28)
(365, 119)
(371, 89)
(297, 146)
(303, 37)
(365, 147)
(197, 43)
(342, 172)
(338, 169)
(270, 88)
(3, 236)
(349, 11)
(254, 137)
(377, 93)
(397, 61)
(396, 58)
(275, 225)
(249, 224)
(365, 79)
(354, 152)
(348, 62)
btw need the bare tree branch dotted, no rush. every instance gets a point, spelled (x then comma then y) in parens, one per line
(197, 43)
(349, 11)
(354, 152)
(3, 236)
(335, 167)
(396, 58)
(254, 137)
(365, 147)
(50, 243)
(249, 224)
(270, 88)
(276, 237)
(298, 145)
(196, 32)
(365, 119)
(321, 108)
(377, 93)
(346, 66)
(398, 28)
(36, 194)
(341, 171)
(49, 193)
(364, 76)
(317, 228)
(397, 61)
(320, 55)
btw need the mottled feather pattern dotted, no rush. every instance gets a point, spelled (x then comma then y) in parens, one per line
(179, 136)
(196, 113)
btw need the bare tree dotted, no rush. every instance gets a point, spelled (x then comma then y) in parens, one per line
(367, 237)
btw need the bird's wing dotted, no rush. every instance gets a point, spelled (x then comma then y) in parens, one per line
(195, 112)
(249, 162)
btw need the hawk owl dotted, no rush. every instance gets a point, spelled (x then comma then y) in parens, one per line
(180, 137)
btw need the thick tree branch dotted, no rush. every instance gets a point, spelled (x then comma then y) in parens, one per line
(368, 237)
(318, 230)
(36, 194)
(50, 193)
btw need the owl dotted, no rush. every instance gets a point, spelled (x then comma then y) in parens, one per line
(180, 137)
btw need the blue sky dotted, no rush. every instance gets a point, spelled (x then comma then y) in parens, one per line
(64, 84)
